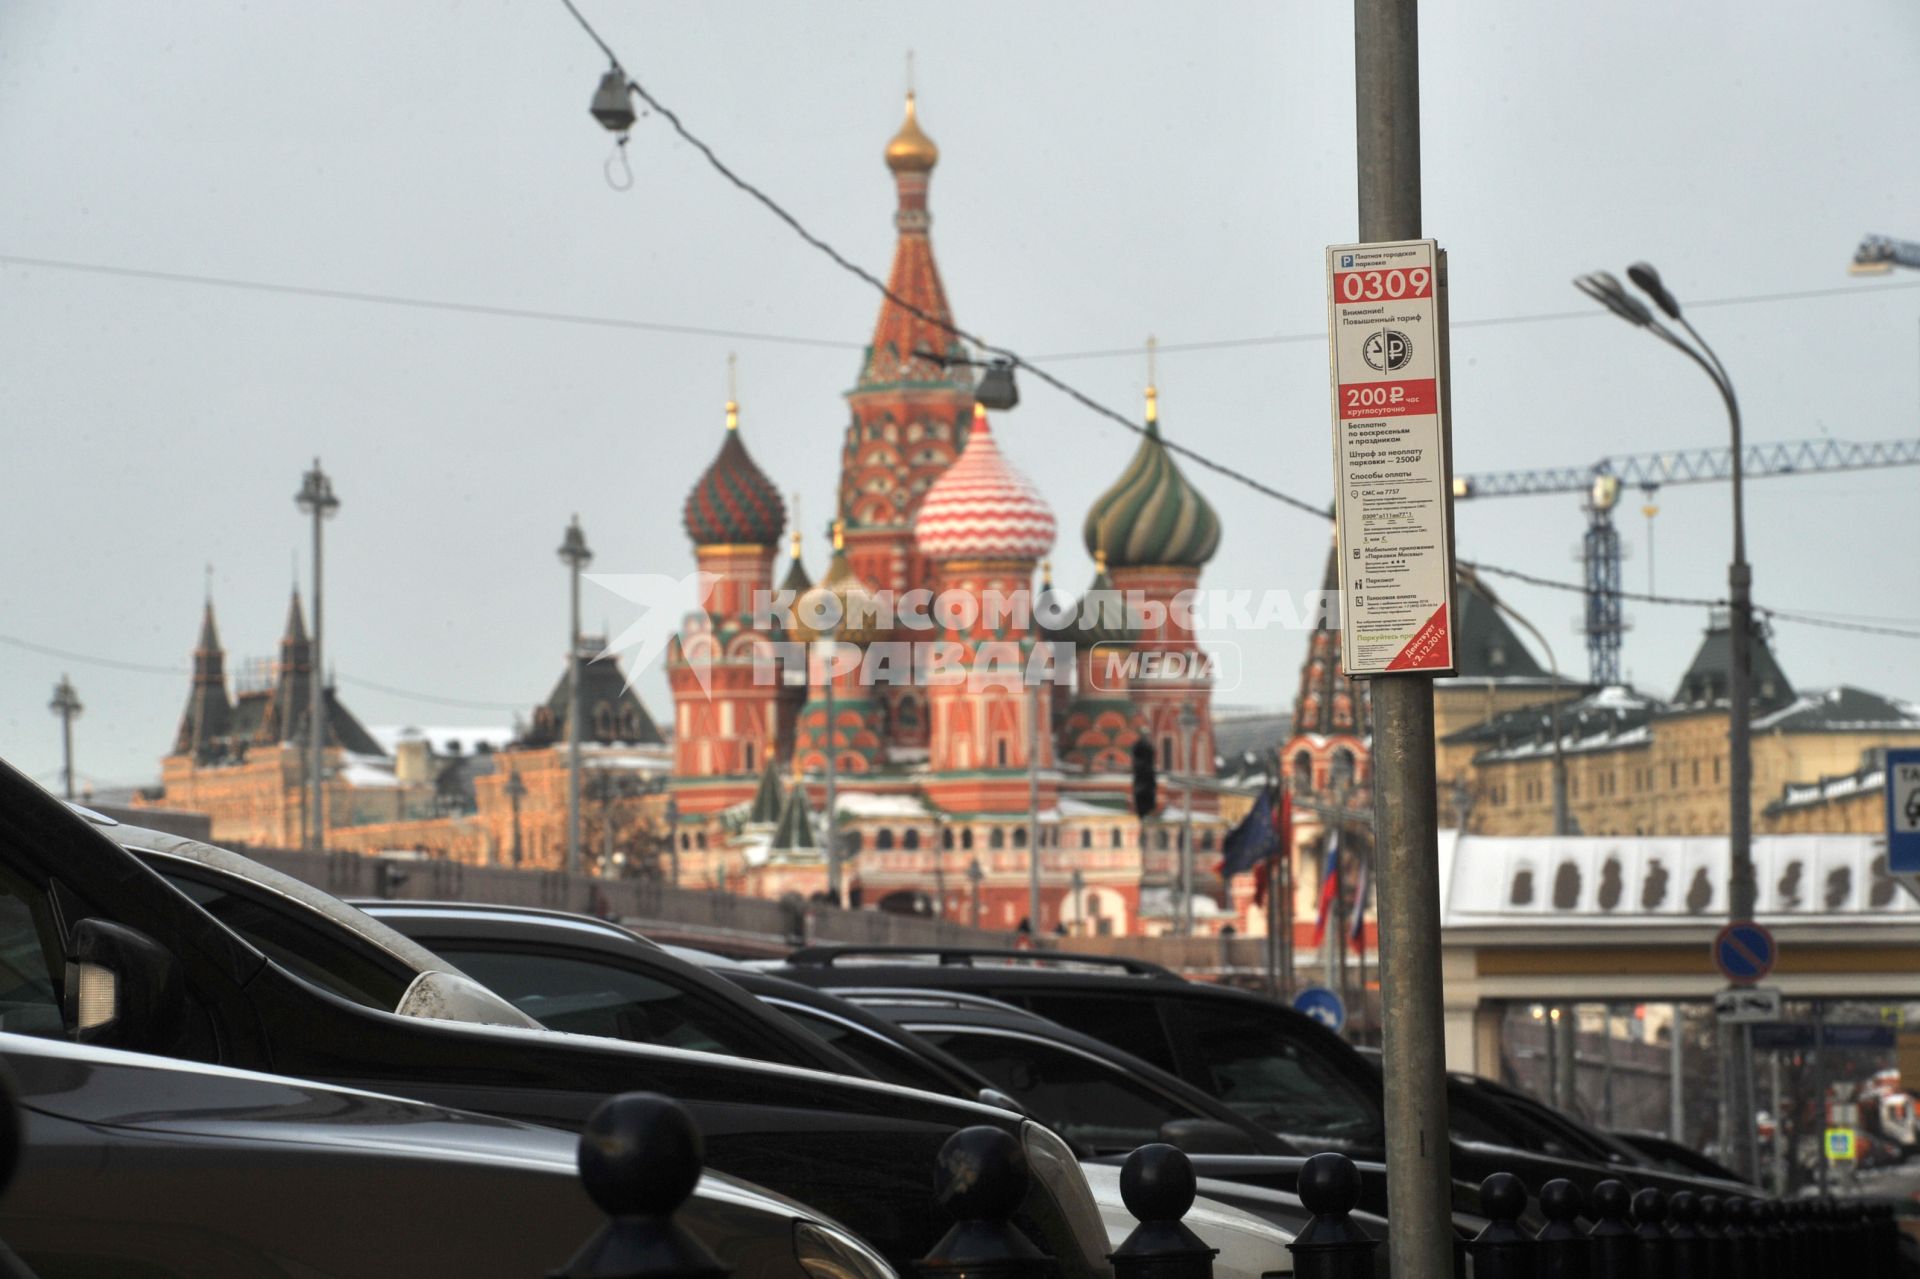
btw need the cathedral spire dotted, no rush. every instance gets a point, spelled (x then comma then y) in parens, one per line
(209, 714)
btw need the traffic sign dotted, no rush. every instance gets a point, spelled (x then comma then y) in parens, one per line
(1323, 1005)
(1744, 952)
(1748, 1003)
(1903, 812)
(1784, 1036)
(1839, 1145)
(1856, 1035)
(1393, 483)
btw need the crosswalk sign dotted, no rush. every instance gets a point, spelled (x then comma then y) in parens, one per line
(1839, 1145)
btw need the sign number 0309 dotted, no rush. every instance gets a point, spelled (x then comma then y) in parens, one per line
(1376, 286)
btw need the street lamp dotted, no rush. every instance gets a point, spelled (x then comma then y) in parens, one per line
(974, 876)
(516, 791)
(1740, 887)
(66, 704)
(317, 500)
(576, 555)
(1189, 721)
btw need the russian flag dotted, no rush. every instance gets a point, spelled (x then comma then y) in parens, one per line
(1329, 886)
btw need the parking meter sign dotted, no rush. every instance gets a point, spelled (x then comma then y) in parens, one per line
(1903, 812)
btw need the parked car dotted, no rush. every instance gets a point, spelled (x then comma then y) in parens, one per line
(149, 1167)
(1277, 1067)
(234, 975)
(1664, 1152)
(550, 963)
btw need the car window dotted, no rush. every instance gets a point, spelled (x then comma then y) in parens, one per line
(29, 994)
(1132, 1024)
(278, 931)
(1078, 1097)
(882, 1060)
(1274, 1078)
(592, 996)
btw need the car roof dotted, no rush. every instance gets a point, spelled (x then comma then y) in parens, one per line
(468, 919)
(977, 957)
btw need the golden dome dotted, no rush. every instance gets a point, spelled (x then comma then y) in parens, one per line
(911, 150)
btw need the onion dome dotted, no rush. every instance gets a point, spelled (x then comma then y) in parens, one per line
(1152, 515)
(735, 504)
(1102, 617)
(981, 508)
(796, 579)
(840, 607)
(911, 151)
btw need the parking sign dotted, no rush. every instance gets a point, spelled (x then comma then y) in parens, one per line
(1903, 812)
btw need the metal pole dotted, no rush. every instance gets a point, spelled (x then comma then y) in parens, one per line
(1186, 863)
(1779, 1134)
(1740, 889)
(1676, 1077)
(316, 711)
(1565, 1033)
(1606, 1066)
(1033, 810)
(576, 711)
(833, 813)
(65, 704)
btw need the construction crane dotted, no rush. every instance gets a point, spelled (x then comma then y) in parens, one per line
(1879, 254)
(1600, 482)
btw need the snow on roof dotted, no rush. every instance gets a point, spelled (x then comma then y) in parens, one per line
(367, 771)
(869, 804)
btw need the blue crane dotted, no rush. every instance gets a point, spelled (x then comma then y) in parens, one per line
(1599, 484)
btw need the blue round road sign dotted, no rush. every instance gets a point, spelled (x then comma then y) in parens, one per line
(1744, 953)
(1323, 1006)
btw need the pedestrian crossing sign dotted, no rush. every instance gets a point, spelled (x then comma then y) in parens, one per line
(1839, 1145)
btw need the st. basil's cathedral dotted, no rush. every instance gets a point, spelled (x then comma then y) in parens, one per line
(932, 774)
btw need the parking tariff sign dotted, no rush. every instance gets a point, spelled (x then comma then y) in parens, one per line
(1393, 506)
(1903, 812)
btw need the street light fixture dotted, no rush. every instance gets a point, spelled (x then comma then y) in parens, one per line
(576, 555)
(613, 102)
(1189, 721)
(516, 792)
(316, 499)
(1740, 887)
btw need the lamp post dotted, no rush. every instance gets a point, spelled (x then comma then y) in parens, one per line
(974, 876)
(516, 791)
(1079, 903)
(1605, 289)
(316, 498)
(66, 704)
(1033, 806)
(576, 555)
(673, 841)
(1189, 723)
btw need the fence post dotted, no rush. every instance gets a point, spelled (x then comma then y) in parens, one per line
(1713, 1239)
(1613, 1241)
(1332, 1246)
(1157, 1185)
(980, 1178)
(1564, 1252)
(1686, 1247)
(1653, 1248)
(640, 1157)
(1502, 1250)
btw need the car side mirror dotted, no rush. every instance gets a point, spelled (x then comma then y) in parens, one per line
(1207, 1137)
(994, 1097)
(123, 989)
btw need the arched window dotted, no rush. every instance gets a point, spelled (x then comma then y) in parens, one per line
(700, 840)
(910, 840)
(883, 840)
(966, 838)
(996, 838)
(854, 841)
(750, 761)
(1086, 837)
(946, 840)
(1116, 837)
(1206, 841)
(686, 841)
(603, 722)
(1302, 771)
(1166, 754)
(1019, 836)
(1000, 752)
(1343, 767)
(1160, 839)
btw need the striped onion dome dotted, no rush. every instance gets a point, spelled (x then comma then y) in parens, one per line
(734, 503)
(981, 508)
(1151, 515)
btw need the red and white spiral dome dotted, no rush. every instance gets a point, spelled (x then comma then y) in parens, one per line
(981, 508)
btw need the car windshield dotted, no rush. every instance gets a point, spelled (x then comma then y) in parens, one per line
(1266, 1073)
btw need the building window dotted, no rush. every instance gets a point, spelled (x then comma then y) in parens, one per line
(966, 838)
(1166, 754)
(911, 840)
(1086, 837)
(1716, 768)
(1696, 772)
(1000, 752)
(883, 840)
(1673, 774)
(1160, 839)
(1342, 767)
(1302, 771)
(1019, 836)
(749, 757)
(996, 838)
(946, 840)
(700, 840)
(1116, 837)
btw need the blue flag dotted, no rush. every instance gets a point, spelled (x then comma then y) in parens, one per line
(1252, 841)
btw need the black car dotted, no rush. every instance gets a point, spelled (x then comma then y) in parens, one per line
(1275, 1066)
(226, 969)
(144, 1167)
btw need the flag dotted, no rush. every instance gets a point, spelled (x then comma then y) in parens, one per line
(1329, 885)
(1282, 813)
(1251, 842)
(1357, 926)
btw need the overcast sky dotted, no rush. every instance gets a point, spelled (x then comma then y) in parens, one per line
(1107, 170)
